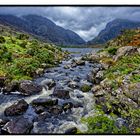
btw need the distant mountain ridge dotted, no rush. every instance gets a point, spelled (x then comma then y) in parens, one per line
(112, 30)
(43, 28)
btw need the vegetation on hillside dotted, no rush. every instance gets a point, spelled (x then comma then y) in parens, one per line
(22, 56)
(120, 84)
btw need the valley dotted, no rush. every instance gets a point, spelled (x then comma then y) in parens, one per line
(64, 85)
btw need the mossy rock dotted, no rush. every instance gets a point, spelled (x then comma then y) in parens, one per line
(85, 88)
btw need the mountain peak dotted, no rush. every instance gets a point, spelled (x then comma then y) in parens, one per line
(44, 28)
(113, 29)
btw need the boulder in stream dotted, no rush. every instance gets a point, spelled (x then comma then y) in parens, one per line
(11, 87)
(73, 84)
(48, 84)
(44, 102)
(2, 81)
(67, 106)
(17, 108)
(27, 87)
(3, 122)
(56, 110)
(72, 130)
(61, 93)
(18, 125)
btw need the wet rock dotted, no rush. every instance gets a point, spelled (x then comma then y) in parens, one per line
(99, 77)
(11, 87)
(3, 122)
(80, 62)
(56, 110)
(67, 67)
(96, 88)
(67, 106)
(77, 62)
(39, 71)
(132, 91)
(100, 100)
(27, 87)
(79, 96)
(93, 58)
(44, 65)
(43, 116)
(90, 77)
(19, 125)
(61, 93)
(73, 85)
(96, 76)
(77, 104)
(48, 84)
(17, 108)
(99, 93)
(44, 102)
(95, 70)
(120, 122)
(72, 130)
(73, 65)
(2, 81)
(105, 65)
(39, 109)
(124, 51)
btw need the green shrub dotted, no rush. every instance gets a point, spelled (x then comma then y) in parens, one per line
(5, 55)
(27, 65)
(45, 56)
(123, 66)
(102, 124)
(22, 36)
(112, 50)
(2, 39)
(135, 78)
(23, 44)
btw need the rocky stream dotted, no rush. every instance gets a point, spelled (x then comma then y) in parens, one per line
(56, 101)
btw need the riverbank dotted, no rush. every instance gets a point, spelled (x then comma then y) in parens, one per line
(22, 57)
(116, 88)
(56, 101)
(92, 91)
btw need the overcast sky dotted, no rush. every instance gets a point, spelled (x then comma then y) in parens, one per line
(86, 21)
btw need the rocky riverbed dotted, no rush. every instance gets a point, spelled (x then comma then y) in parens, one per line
(52, 103)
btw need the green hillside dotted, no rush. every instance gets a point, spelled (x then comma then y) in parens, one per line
(22, 56)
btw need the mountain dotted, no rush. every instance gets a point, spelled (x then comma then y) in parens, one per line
(43, 28)
(113, 29)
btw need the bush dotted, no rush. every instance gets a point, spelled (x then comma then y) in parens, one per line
(112, 51)
(23, 44)
(45, 56)
(5, 55)
(102, 124)
(22, 36)
(2, 39)
(27, 66)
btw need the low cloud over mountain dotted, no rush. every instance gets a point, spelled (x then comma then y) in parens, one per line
(85, 21)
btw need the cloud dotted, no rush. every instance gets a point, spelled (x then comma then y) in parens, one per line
(85, 21)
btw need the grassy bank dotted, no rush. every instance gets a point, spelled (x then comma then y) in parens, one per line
(118, 93)
(22, 56)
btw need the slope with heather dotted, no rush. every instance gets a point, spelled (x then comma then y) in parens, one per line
(22, 56)
(117, 85)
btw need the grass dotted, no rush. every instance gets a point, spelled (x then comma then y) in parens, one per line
(21, 55)
(123, 66)
(102, 124)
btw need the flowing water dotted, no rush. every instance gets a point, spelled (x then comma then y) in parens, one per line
(61, 75)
